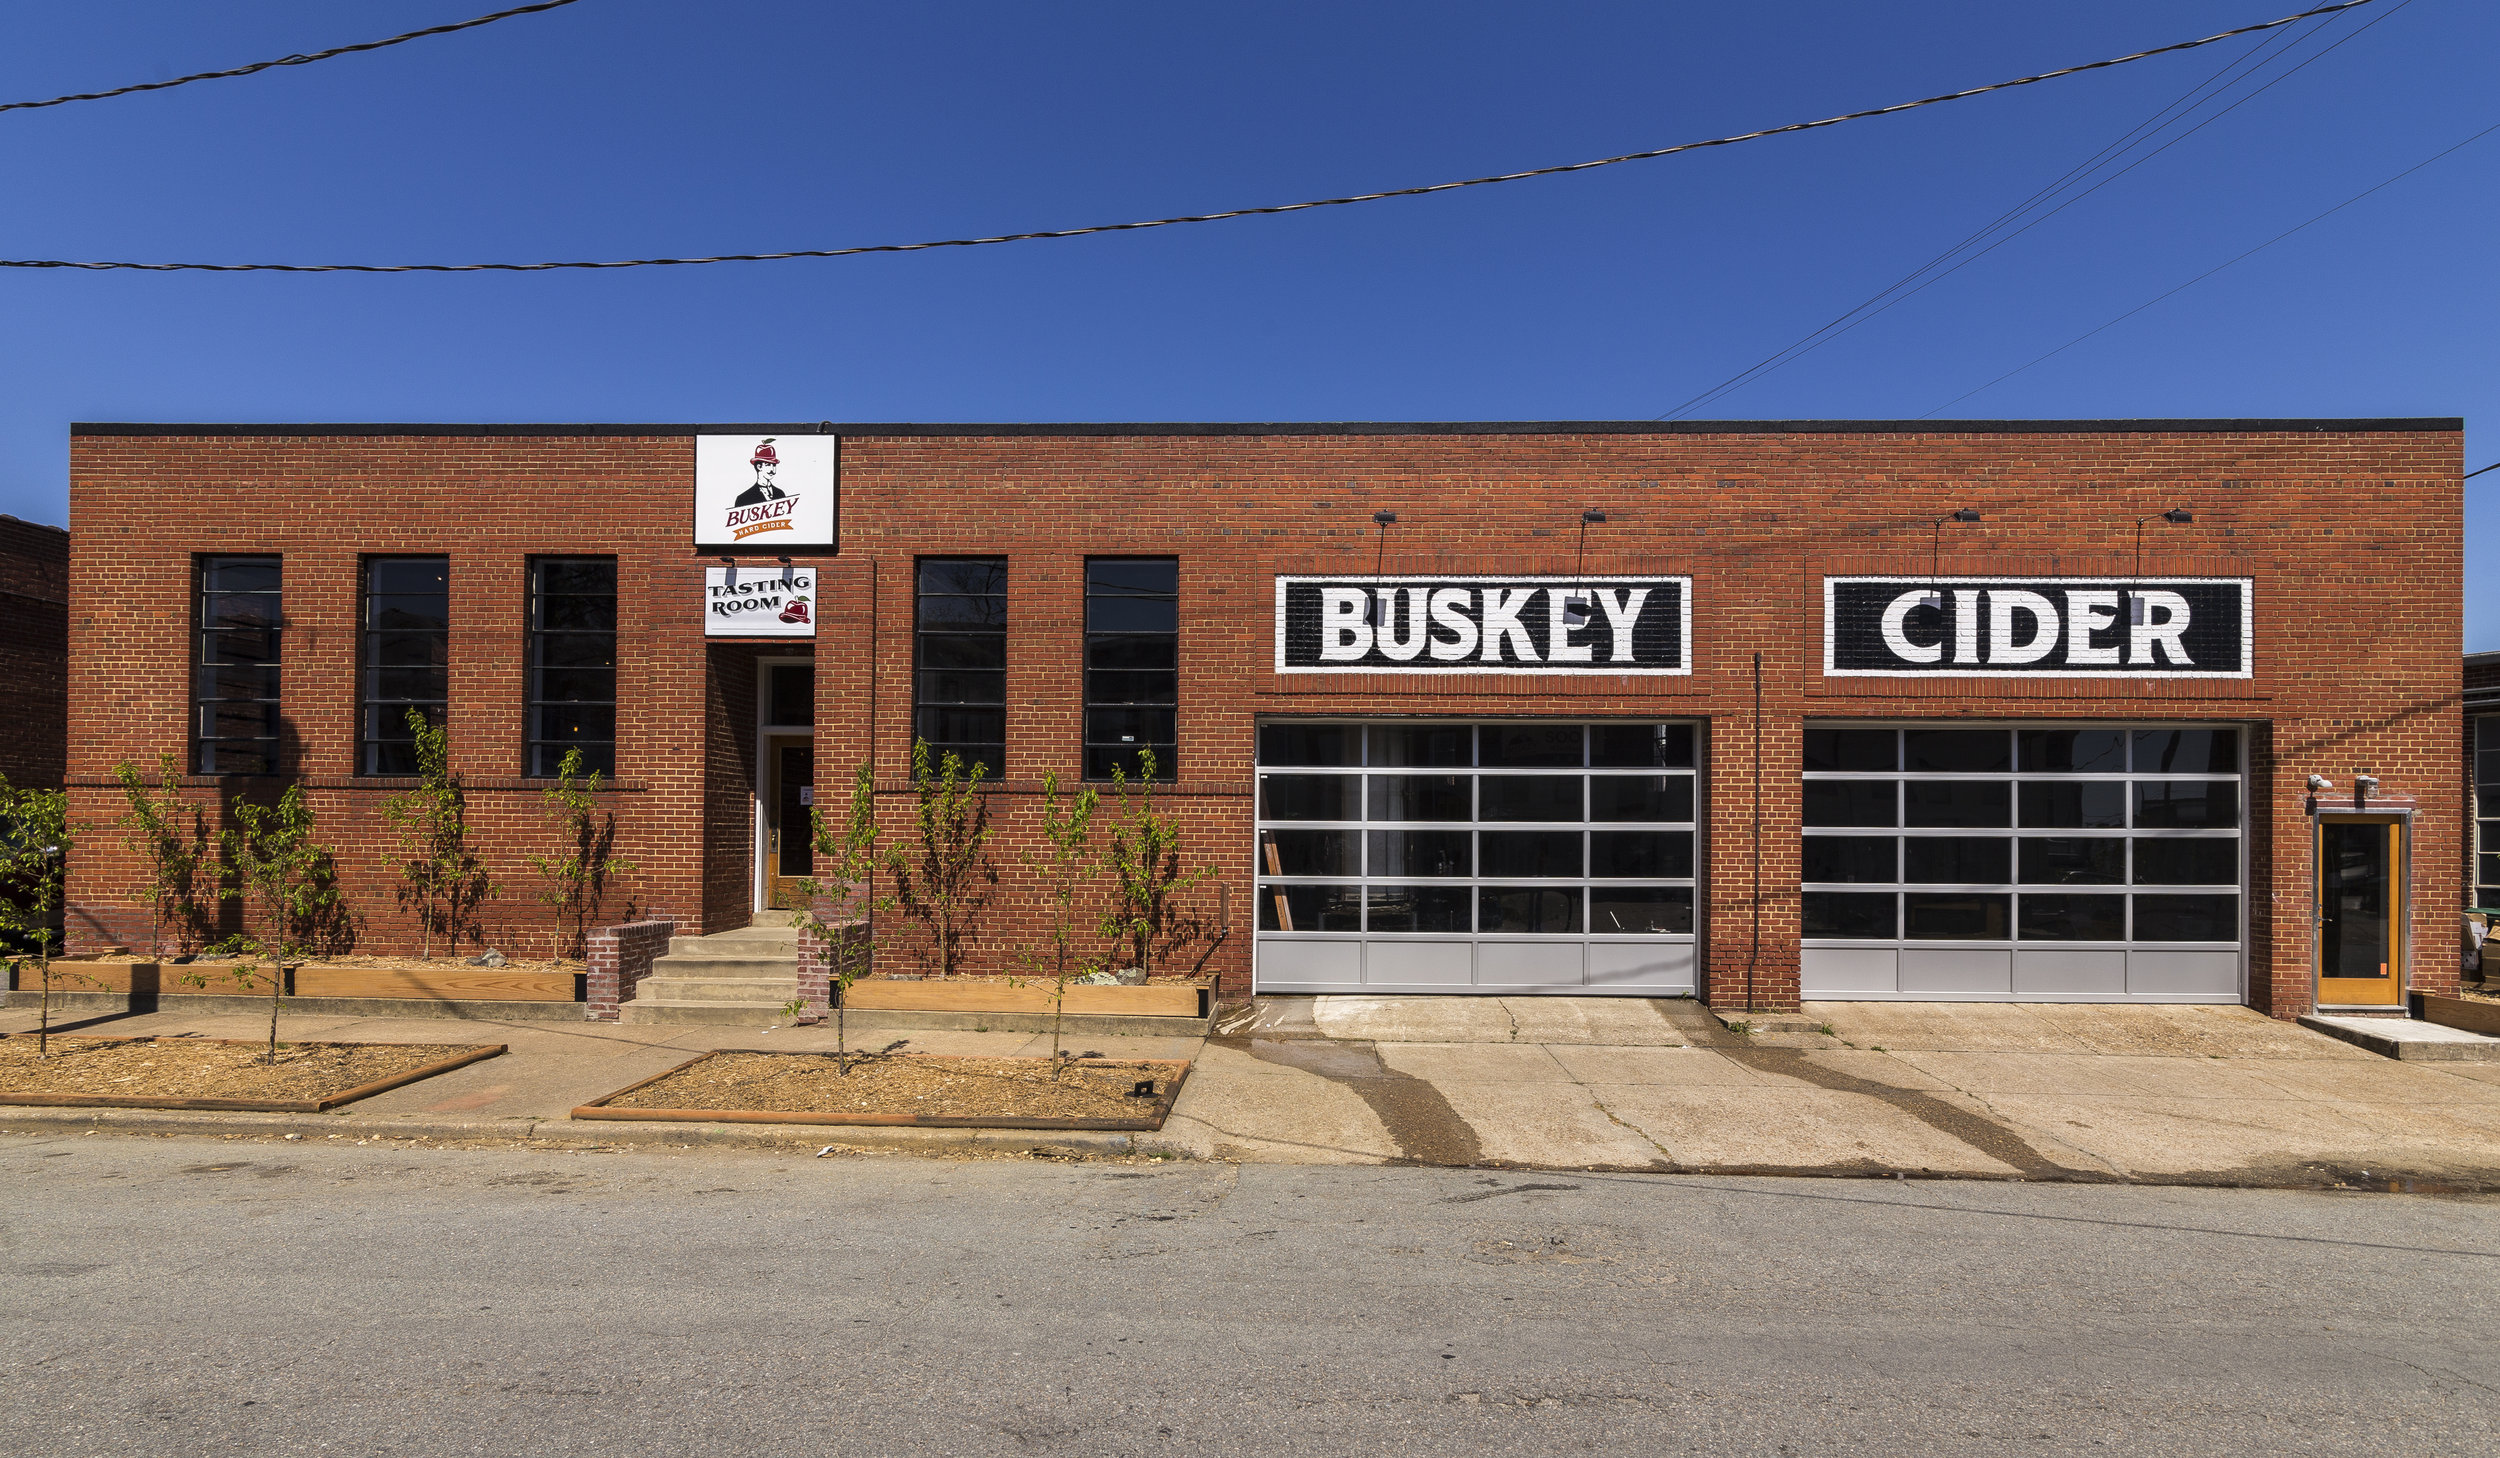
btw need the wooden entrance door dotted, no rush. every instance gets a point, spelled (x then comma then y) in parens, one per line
(789, 847)
(2361, 910)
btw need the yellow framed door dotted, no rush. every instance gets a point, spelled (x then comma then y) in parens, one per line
(789, 848)
(2361, 910)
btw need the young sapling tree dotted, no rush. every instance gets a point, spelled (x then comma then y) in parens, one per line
(34, 850)
(943, 880)
(440, 873)
(1067, 868)
(1141, 859)
(284, 878)
(169, 836)
(577, 880)
(850, 849)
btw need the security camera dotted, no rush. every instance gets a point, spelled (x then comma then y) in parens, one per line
(2320, 784)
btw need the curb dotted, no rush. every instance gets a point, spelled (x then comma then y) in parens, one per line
(586, 1132)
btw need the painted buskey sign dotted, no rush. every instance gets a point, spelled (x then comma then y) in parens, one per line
(1513, 625)
(2037, 627)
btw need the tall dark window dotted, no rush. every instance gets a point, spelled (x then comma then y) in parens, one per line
(959, 686)
(1132, 664)
(572, 670)
(406, 653)
(234, 667)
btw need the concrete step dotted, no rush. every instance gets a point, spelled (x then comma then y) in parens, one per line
(772, 918)
(676, 1010)
(782, 940)
(710, 963)
(766, 991)
(2407, 1038)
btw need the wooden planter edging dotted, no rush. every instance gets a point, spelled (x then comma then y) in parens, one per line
(2458, 1012)
(250, 1106)
(454, 982)
(1150, 1001)
(1170, 1074)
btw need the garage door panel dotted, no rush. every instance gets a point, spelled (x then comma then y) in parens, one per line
(1554, 963)
(1310, 965)
(2070, 973)
(2184, 974)
(1650, 966)
(1523, 855)
(2066, 860)
(1949, 970)
(1840, 972)
(1413, 964)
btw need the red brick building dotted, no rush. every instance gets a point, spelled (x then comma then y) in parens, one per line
(34, 652)
(1754, 711)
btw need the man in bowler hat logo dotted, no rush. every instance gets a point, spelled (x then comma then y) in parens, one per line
(767, 462)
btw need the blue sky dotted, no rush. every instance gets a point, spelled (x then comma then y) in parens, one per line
(631, 127)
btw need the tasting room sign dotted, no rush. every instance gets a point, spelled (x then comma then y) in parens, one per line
(2038, 627)
(759, 602)
(1507, 625)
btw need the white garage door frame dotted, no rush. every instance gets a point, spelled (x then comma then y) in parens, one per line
(1900, 968)
(1477, 962)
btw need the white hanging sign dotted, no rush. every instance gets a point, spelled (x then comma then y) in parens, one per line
(769, 494)
(759, 602)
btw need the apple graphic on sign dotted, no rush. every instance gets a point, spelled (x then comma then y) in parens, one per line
(796, 612)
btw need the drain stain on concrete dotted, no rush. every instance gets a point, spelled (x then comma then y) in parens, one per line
(1985, 1135)
(1420, 1122)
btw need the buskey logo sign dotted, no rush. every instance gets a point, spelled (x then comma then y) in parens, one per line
(765, 493)
(768, 603)
(1518, 625)
(2037, 627)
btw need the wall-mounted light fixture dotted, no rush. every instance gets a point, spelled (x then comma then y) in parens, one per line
(2175, 516)
(1371, 600)
(2363, 787)
(1934, 600)
(1579, 605)
(732, 564)
(789, 574)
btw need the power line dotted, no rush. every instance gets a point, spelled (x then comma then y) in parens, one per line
(2217, 268)
(259, 66)
(1331, 202)
(1925, 276)
(2470, 475)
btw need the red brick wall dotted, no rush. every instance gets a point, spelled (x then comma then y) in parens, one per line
(34, 653)
(2353, 537)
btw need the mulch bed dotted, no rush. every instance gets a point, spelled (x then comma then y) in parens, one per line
(214, 1073)
(913, 1088)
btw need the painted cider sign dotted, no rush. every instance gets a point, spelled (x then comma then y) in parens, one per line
(1508, 625)
(2042, 627)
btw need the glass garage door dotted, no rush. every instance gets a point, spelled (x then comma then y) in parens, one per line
(1416, 856)
(2095, 863)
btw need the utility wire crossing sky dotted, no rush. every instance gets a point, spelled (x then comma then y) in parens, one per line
(1557, 170)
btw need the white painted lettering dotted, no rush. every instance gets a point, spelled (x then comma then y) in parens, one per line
(1896, 630)
(1558, 645)
(1343, 635)
(2166, 623)
(1391, 646)
(1966, 625)
(1502, 608)
(2003, 604)
(1623, 613)
(2089, 610)
(1449, 610)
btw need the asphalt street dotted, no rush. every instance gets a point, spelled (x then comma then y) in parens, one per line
(180, 1296)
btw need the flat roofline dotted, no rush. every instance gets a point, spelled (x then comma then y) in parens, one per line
(1315, 428)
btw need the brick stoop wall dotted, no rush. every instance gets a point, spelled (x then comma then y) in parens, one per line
(817, 957)
(620, 957)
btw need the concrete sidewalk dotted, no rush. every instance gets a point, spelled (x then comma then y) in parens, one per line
(2196, 1095)
(2199, 1095)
